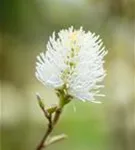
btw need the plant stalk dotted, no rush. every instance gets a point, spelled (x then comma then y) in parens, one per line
(51, 124)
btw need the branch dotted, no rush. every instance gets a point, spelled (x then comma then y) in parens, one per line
(47, 133)
(51, 124)
(57, 110)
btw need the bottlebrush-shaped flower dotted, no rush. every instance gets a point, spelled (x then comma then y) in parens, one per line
(73, 62)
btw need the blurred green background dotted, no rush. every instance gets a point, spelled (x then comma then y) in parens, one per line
(25, 27)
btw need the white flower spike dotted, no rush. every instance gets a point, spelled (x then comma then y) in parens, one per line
(73, 62)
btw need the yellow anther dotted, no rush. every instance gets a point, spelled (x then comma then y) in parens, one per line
(73, 36)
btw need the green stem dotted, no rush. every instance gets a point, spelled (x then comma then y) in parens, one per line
(64, 99)
(50, 128)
